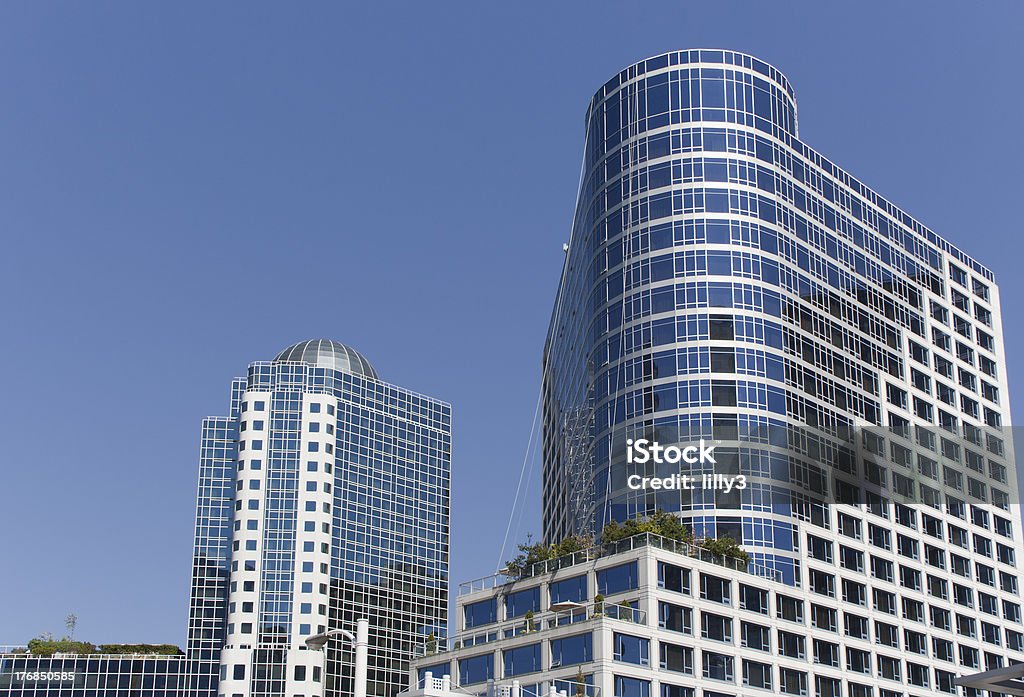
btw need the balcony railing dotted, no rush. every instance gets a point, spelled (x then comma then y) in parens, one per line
(646, 539)
(521, 626)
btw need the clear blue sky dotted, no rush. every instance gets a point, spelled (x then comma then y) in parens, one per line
(186, 187)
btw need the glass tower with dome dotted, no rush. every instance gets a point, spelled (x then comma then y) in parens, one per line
(323, 498)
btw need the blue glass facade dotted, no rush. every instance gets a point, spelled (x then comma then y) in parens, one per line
(724, 281)
(211, 559)
(340, 511)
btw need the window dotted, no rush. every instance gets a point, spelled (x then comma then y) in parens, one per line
(963, 595)
(631, 687)
(910, 578)
(673, 578)
(669, 691)
(915, 642)
(791, 645)
(792, 682)
(917, 674)
(754, 636)
(858, 660)
(819, 549)
(519, 603)
(571, 650)
(1014, 640)
(913, 610)
(969, 657)
(938, 587)
(753, 599)
(573, 590)
(1008, 582)
(899, 426)
(858, 690)
(827, 687)
(789, 609)
(881, 569)
(851, 559)
(887, 635)
(826, 653)
(824, 618)
(849, 526)
(480, 613)
(942, 649)
(520, 660)
(896, 396)
(889, 668)
(988, 603)
(675, 618)
(678, 659)
(631, 649)
(854, 593)
(434, 670)
(717, 590)
(715, 627)
(756, 674)
(855, 625)
(476, 669)
(717, 666)
(906, 546)
(617, 579)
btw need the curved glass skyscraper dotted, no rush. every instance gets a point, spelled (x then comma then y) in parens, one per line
(725, 281)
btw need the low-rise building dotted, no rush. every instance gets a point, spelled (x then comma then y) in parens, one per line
(23, 674)
(651, 617)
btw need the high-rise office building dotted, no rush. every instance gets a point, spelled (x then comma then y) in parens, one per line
(323, 498)
(725, 282)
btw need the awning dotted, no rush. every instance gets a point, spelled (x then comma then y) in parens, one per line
(1008, 680)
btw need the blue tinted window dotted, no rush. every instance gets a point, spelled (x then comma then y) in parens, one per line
(519, 603)
(572, 649)
(675, 691)
(437, 670)
(483, 612)
(525, 659)
(569, 590)
(476, 669)
(631, 649)
(631, 687)
(617, 579)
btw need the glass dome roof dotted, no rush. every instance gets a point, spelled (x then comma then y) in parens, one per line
(328, 353)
